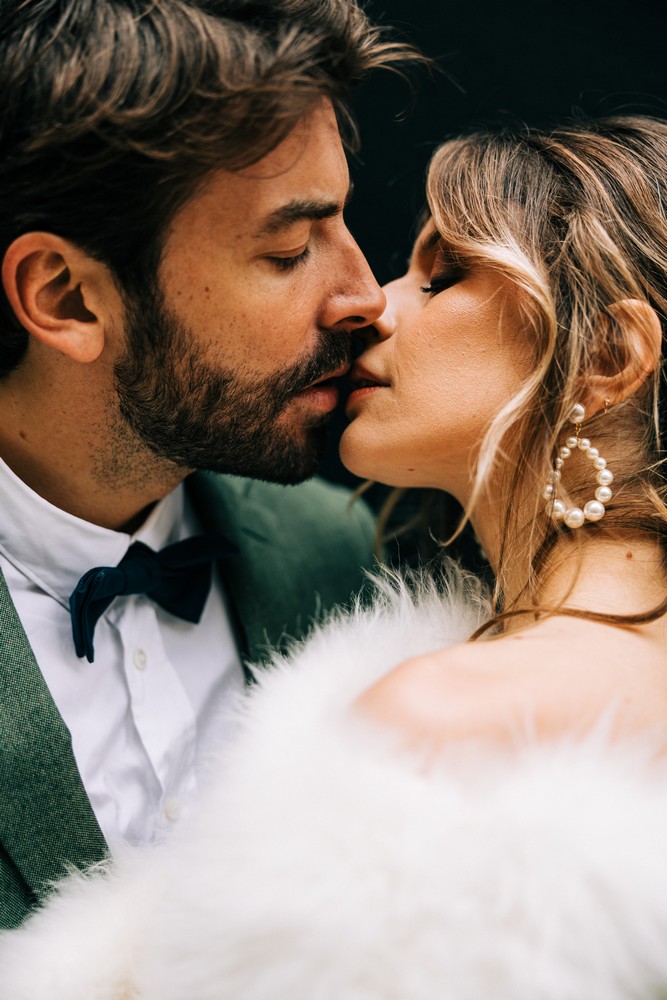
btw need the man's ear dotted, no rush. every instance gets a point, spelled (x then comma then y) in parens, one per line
(59, 294)
(632, 353)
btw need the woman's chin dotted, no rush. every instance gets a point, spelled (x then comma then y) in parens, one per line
(361, 469)
(356, 456)
(363, 460)
(372, 458)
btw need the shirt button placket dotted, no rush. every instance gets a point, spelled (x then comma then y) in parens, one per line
(172, 808)
(140, 659)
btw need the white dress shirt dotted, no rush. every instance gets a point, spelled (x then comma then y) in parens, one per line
(145, 713)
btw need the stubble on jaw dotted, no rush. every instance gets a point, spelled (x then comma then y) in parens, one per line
(125, 464)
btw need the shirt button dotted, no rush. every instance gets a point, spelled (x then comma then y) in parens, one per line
(172, 809)
(140, 659)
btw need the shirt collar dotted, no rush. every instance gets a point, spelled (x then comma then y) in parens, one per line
(54, 548)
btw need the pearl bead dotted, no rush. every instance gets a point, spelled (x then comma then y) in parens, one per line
(557, 509)
(593, 510)
(574, 518)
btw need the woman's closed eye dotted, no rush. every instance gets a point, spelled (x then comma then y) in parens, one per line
(442, 280)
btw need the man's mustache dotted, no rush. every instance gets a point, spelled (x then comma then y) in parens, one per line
(334, 351)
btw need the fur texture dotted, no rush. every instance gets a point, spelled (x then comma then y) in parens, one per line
(323, 865)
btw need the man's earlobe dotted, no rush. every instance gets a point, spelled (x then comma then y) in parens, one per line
(627, 356)
(53, 288)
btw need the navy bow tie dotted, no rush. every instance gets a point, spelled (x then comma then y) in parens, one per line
(178, 578)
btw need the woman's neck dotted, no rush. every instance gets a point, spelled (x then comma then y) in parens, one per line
(623, 576)
(608, 575)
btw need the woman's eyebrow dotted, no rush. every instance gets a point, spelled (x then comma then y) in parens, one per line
(427, 244)
(431, 242)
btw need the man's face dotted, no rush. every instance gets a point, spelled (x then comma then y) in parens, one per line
(258, 290)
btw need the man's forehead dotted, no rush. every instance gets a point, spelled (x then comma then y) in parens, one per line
(306, 177)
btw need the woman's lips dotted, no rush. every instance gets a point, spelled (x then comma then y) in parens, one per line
(365, 383)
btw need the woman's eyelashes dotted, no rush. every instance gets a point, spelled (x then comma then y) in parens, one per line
(442, 280)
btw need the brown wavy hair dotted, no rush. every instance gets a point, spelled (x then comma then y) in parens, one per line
(114, 111)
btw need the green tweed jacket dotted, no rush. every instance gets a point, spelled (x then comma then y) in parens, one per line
(301, 550)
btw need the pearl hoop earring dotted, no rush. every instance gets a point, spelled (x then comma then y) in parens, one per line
(594, 510)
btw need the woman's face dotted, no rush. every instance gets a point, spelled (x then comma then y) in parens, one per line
(447, 354)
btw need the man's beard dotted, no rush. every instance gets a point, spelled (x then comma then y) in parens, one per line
(197, 416)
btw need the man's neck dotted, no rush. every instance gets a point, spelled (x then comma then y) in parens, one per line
(72, 490)
(80, 457)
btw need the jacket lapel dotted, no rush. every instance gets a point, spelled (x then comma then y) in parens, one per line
(259, 601)
(46, 819)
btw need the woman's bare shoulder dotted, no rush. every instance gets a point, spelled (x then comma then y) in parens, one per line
(555, 678)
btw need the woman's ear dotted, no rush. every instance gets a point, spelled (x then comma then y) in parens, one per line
(631, 353)
(59, 294)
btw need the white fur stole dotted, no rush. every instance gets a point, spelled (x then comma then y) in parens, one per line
(321, 864)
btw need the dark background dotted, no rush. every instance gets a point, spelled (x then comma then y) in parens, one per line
(497, 63)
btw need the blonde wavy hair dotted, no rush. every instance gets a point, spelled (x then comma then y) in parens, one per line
(575, 219)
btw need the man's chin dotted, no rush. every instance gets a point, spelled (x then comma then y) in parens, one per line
(299, 462)
(285, 459)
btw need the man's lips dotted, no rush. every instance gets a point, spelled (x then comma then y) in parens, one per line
(323, 394)
(326, 379)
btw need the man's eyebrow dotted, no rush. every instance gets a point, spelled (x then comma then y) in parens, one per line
(297, 211)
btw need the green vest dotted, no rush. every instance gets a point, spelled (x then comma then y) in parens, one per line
(301, 550)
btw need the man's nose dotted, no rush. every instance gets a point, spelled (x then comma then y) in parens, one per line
(360, 301)
(385, 325)
(383, 328)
